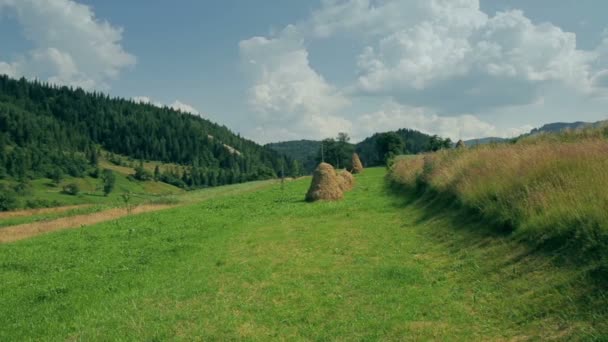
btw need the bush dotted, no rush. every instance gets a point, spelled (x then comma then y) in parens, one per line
(23, 188)
(71, 189)
(8, 199)
(95, 173)
(142, 174)
(41, 203)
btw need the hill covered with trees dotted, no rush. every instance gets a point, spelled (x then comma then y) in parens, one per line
(46, 130)
(372, 150)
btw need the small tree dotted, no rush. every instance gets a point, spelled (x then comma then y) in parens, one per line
(126, 198)
(93, 156)
(109, 180)
(389, 145)
(56, 176)
(156, 173)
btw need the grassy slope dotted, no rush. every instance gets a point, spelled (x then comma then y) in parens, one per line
(177, 198)
(549, 190)
(266, 265)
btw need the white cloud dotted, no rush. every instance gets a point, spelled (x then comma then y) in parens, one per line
(289, 96)
(445, 62)
(183, 107)
(444, 66)
(176, 105)
(72, 46)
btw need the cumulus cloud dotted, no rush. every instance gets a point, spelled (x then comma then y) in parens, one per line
(71, 46)
(440, 64)
(287, 92)
(449, 64)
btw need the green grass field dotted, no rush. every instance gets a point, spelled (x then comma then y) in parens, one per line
(261, 265)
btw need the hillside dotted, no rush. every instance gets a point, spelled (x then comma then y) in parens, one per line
(265, 265)
(47, 129)
(304, 151)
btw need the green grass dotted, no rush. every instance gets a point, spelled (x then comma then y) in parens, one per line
(261, 265)
(91, 193)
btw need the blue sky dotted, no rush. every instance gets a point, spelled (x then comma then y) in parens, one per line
(279, 70)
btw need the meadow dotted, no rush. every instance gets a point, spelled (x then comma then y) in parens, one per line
(259, 263)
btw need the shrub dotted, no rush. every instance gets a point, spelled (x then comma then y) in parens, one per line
(142, 174)
(8, 199)
(71, 189)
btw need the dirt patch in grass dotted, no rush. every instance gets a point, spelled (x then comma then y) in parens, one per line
(27, 230)
(29, 212)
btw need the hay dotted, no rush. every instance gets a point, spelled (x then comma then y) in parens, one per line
(325, 184)
(461, 144)
(357, 166)
(347, 181)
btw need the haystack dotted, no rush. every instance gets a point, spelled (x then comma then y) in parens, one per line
(347, 181)
(357, 166)
(461, 144)
(324, 185)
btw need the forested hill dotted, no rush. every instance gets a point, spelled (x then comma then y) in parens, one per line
(305, 151)
(414, 143)
(44, 126)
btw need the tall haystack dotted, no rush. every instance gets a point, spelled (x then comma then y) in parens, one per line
(461, 144)
(347, 181)
(357, 166)
(325, 184)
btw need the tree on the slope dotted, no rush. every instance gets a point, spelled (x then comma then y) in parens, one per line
(109, 180)
(437, 143)
(389, 145)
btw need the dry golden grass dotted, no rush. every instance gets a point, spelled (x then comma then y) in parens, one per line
(357, 165)
(29, 212)
(346, 180)
(550, 188)
(28, 230)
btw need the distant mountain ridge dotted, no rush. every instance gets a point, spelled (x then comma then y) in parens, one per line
(554, 127)
(562, 126)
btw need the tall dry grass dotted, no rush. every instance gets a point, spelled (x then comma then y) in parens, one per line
(551, 189)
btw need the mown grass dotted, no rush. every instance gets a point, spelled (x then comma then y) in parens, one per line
(549, 190)
(12, 221)
(262, 265)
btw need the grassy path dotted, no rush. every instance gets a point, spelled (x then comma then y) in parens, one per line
(265, 265)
